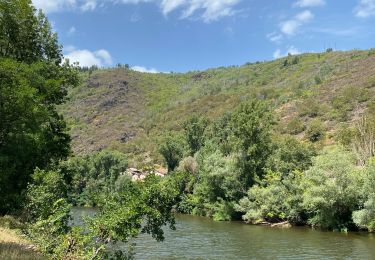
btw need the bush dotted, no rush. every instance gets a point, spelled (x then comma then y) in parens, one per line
(276, 199)
(219, 184)
(309, 108)
(189, 165)
(345, 135)
(316, 131)
(365, 217)
(47, 188)
(295, 126)
(363, 142)
(318, 80)
(331, 189)
(47, 211)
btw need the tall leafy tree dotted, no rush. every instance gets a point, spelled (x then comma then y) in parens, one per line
(33, 81)
(250, 136)
(172, 149)
(26, 35)
(194, 132)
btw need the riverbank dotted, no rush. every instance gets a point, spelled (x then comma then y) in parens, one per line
(14, 246)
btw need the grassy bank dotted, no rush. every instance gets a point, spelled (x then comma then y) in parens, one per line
(13, 245)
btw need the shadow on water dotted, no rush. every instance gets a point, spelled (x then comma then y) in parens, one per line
(202, 238)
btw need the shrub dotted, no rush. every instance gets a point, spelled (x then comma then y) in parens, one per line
(318, 80)
(345, 135)
(276, 199)
(295, 126)
(310, 108)
(365, 217)
(331, 189)
(188, 164)
(364, 139)
(316, 131)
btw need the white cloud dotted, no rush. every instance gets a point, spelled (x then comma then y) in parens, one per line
(168, 6)
(274, 37)
(291, 50)
(72, 30)
(144, 69)
(309, 3)
(304, 16)
(277, 54)
(209, 10)
(88, 5)
(87, 58)
(365, 8)
(50, 6)
(206, 10)
(290, 27)
(135, 18)
(105, 56)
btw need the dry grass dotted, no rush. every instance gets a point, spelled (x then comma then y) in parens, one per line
(14, 246)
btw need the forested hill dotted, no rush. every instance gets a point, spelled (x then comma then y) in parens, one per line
(314, 96)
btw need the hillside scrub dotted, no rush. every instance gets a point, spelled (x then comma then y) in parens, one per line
(145, 106)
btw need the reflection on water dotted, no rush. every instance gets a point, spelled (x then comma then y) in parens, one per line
(202, 238)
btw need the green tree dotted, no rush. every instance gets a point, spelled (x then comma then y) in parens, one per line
(172, 149)
(92, 177)
(331, 189)
(46, 209)
(290, 155)
(143, 207)
(33, 82)
(277, 198)
(250, 136)
(218, 183)
(26, 35)
(194, 132)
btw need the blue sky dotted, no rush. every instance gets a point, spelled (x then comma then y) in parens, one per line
(184, 35)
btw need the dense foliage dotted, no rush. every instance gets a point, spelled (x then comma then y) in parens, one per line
(143, 207)
(33, 82)
(93, 177)
(35, 179)
(285, 178)
(238, 164)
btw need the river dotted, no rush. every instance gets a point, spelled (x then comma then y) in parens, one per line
(202, 238)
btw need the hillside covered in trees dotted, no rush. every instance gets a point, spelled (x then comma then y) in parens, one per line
(125, 110)
(288, 141)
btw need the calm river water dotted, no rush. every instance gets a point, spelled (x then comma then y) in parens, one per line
(202, 238)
